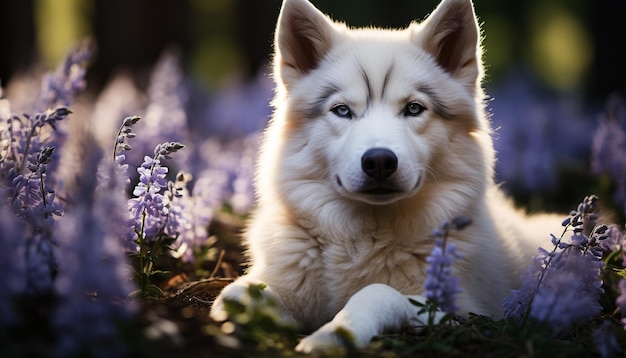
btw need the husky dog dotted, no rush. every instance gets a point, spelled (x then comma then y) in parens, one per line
(377, 138)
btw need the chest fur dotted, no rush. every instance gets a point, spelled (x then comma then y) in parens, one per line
(350, 266)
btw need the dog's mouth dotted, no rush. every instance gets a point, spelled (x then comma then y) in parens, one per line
(376, 191)
(380, 189)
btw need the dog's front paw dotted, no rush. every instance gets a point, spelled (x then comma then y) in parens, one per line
(329, 336)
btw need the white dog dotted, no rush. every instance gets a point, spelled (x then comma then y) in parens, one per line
(378, 137)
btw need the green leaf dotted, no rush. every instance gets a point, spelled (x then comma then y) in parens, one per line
(346, 336)
(416, 303)
(152, 291)
(159, 273)
(621, 272)
(256, 291)
(614, 256)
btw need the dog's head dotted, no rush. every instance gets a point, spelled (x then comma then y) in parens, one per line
(379, 116)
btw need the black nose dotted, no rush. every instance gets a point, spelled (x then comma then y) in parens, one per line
(379, 163)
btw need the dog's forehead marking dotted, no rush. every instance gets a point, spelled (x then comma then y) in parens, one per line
(317, 106)
(405, 79)
(388, 75)
(439, 105)
(368, 85)
(383, 78)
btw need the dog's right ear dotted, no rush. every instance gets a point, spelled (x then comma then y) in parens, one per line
(452, 35)
(303, 36)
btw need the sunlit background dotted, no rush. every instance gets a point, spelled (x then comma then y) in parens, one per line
(568, 45)
(552, 68)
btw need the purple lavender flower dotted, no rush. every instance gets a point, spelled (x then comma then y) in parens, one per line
(441, 286)
(125, 132)
(34, 205)
(148, 209)
(119, 158)
(113, 179)
(26, 140)
(151, 215)
(33, 200)
(25, 173)
(179, 222)
(173, 196)
(570, 290)
(563, 286)
(24, 137)
(198, 208)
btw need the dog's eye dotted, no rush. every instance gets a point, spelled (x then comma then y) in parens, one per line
(413, 109)
(342, 110)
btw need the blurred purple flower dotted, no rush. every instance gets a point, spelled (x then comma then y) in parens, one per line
(26, 172)
(535, 133)
(165, 118)
(230, 171)
(12, 266)
(621, 300)
(563, 286)
(58, 90)
(570, 290)
(516, 305)
(229, 119)
(112, 183)
(41, 264)
(605, 339)
(94, 278)
(609, 147)
(60, 87)
(616, 240)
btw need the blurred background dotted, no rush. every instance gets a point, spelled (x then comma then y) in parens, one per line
(569, 45)
(554, 72)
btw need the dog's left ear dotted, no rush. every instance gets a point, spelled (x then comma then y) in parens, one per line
(303, 37)
(451, 35)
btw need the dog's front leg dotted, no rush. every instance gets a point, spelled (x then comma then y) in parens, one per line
(369, 312)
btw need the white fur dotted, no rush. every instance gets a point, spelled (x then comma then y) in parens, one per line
(333, 256)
